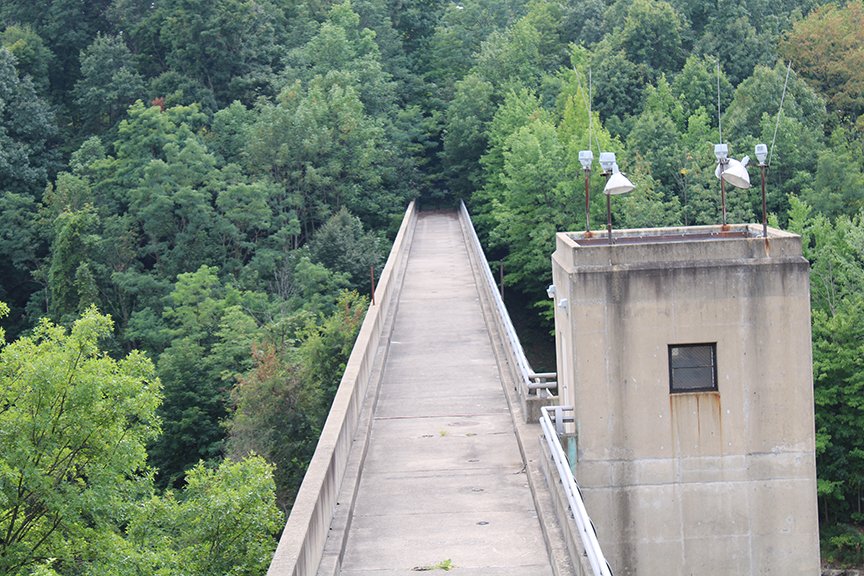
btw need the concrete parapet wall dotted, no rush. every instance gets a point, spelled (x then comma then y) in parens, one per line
(302, 543)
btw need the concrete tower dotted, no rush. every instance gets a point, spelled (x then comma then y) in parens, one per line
(686, 355)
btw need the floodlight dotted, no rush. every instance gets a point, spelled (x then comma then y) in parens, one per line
(736, 174)
(607, 160)
(550, 291)
(761, 153)
(617, 183)
(721, 151)
(586, 157)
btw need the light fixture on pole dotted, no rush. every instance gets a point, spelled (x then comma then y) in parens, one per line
(732, 171)
(616, 183)
(761, 155)
(586, 157)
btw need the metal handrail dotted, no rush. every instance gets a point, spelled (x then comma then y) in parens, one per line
(531, 380)
(599, 565)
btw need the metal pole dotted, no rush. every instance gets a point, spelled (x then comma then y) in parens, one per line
(608, 210)
(587, 205)
(723, 197)
(609, 216)
(762, 168)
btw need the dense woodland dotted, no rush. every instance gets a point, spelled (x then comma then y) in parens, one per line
(192, 193)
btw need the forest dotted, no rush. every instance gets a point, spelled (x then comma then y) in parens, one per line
(193, 192)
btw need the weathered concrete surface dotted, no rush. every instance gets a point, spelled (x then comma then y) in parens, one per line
(443, 476)
(709, 483)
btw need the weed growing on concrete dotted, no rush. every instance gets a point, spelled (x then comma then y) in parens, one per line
(445, 565)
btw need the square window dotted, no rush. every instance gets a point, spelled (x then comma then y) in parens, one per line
(692, 367)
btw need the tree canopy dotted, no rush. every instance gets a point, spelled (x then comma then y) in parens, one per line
(219, 177)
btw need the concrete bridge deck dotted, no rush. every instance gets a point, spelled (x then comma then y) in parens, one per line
(427, 461)
(443, 478)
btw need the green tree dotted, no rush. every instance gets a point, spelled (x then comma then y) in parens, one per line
(518, 109)
(652, 35)
(344, 62)
(583, 21)
(536, 201)
(52, 21)
(209, 52)
(656, 138)
(247, 216)
(109, 83)
(324, 152)
(827, 48)
(838, 184)
(210, 341)
(344, 53)
(646, 206)
(229, 132)
(32, 56)
(761, 93)
(342, 245)
(222, 522)
(520, 54)
(141, 138)
(22, 247)
(696, 87)
(71, 286)
(26, 132)
(836, 252)
(73, 431)
(415, 21)
(465, 133)
(730, 36)
(448, 55)
(618, 84)
(282, 402)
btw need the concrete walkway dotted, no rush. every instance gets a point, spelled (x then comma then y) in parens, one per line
(443, 477)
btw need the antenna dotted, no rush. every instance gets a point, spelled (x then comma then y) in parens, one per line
(719, 122)
(762, 151)
(779, 110)
(586, 158)
(590, 102)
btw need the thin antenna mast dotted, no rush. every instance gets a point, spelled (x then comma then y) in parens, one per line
(719, 122)
(779, 111)
(590, 118)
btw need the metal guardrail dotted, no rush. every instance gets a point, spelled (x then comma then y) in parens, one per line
(552, 426)
(552, 421)
(532, 380)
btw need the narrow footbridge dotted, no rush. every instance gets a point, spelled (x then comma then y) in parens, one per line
(432, 457)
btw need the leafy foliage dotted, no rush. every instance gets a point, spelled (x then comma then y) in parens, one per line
(73, 431)
(215, 174)
(828, 49)
(282, 402)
